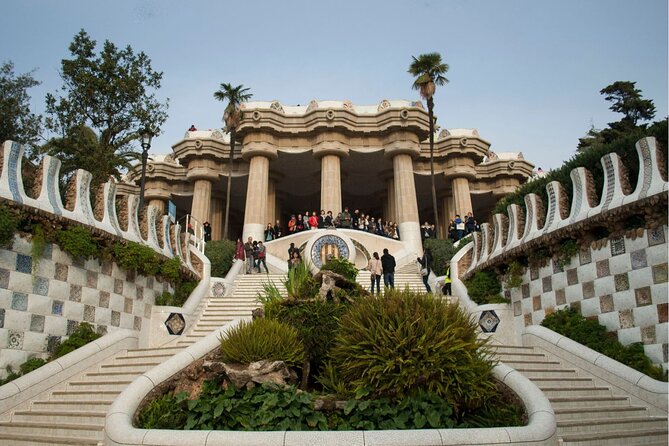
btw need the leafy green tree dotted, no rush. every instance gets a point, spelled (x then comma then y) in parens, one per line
(429, 70)
(232, 116)
(16, 121)
(107, 100)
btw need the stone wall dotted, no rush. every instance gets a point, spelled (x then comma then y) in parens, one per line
(623, 284)
(39, 308)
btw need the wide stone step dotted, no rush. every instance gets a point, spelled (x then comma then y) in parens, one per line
(11, 439)
(524, 364)
(83, 395)
(137, 368)
(581, 413)
(144, 351)
(146, 357)
(565, 382)
(94, 405)
(110, 375)
(521, 355)
(561, 402)
(61, 416)
(543, 372)
(616, 438)
(116, 385)
(512, 349)
(610, 425)
(233, 307)
(69, 430)
(575, 391)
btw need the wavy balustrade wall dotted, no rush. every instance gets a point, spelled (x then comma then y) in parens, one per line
(101, 210)
(621, 278)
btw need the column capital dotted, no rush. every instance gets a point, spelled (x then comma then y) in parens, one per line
(259, 148)
(336, 148)
(401, 142)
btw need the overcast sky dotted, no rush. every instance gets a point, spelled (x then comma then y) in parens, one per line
(525, 73)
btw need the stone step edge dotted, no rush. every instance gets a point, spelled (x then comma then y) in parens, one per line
(600, 421)
(48, 439)
(68, 413)
(599, 436)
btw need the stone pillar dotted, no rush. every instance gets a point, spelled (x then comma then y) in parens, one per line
(392, 205)
(158, 204)
(461, 196)
(201, 200)
(256, 198)
(447, 215)
(216, 218)
(331, 184)
(271, 201)
(407, 206)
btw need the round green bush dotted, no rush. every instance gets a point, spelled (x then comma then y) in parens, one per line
(220, 254)
(137, 257)
(484, 288)
(262, 339)
(343, 267)
(405, 342)
(77, 242)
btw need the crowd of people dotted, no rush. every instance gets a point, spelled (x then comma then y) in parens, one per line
(254, 253)
(345, 220)
(462, 227)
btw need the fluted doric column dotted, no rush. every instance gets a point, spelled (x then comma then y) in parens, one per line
(331, 184)
(158, 204)
(256, 198)
(392, 204)
(402, 147)
(462, 199)
(201, 200)
(216, 218)
(271, 201)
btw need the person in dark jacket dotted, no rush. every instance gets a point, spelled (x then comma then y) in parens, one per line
(388, 266)
(426, 267)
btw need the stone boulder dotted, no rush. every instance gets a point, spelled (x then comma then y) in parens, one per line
(259, 372)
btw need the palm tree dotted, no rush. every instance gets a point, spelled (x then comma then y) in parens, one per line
(429, 70)
(232, 117)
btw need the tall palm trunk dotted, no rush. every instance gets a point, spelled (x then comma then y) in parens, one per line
(430, 114)
(228, 191)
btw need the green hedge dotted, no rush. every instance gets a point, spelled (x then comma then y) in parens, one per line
(589, 332)
(220, 254)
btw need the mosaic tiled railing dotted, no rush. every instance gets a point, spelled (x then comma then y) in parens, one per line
(116, 215)
(527, 230)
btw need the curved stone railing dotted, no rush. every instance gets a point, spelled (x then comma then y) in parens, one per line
(525, 230)
(104, 210)
(119, 430)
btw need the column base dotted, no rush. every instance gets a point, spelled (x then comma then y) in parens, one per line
(255, 230)
(410, 236)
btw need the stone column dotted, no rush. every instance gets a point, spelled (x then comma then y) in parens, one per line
(158, 204)
(256, 198)
(392, 206)
(407, 206)
(201, 200)
(461, 196)
(331, 184)
(271, 201)
(216, 218)
(447, 215)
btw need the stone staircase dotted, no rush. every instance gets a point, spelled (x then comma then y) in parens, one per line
(408, 275)
(73, 413)
(586, 413)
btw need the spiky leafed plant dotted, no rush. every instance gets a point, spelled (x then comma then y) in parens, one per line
(232, 116)
(429, 70)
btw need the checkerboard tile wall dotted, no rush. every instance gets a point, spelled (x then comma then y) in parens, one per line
(623, 284)
(39, 307)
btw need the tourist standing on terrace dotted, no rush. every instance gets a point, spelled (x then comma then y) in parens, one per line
(248, 250)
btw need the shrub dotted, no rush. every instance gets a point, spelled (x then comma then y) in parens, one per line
(136, 257)
(300, 284)
(80, 337)
(514, 275)
(343, 267)
(8, 226)
(165, 412)
(316, 322)
(404, 342)
(263, 408)
(37, 246)
(181, 293)
(484, 288)
(32, 364)
(589, 332)
(442, 253)
(78, 242)
(171, 269)
(220, 253)
(262, 339)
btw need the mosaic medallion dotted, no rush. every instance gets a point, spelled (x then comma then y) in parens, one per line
(218, 289)
(488, 321)
(327, 247)
(175, 324)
